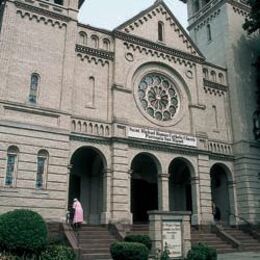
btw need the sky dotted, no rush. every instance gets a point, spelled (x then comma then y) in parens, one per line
(108, 14)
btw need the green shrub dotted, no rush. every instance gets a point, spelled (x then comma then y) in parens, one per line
(57, 252)
(202, 252)
(23, 231)
(143, 239)
(129, 251)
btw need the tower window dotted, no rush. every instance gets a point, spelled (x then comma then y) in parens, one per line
(33, 88)
(196, 6)
(42, 161)
(209, 36)
(12, 154)
(160, 31)
(58, 2)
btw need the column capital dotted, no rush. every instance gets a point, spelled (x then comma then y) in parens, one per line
(231, 183)
(195, 179)
(107, 172)
(130, 171)
(164, 175)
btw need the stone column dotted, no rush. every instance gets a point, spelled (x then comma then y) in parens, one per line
(163, 191)
(195, 218)
(106, 214)
(232, 202)
(205, 190)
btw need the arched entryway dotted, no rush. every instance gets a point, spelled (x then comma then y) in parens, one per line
(180, 189)
(144, 186)
(220, 193)
(86, 182)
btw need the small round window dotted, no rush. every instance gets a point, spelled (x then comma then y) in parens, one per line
(158, 97)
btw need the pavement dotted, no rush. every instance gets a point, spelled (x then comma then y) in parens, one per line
(240, 256)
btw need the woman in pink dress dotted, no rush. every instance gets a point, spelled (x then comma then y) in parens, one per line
(78, 213)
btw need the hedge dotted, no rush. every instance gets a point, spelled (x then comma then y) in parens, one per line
(23, 231)
(143, 239)
(129, 251)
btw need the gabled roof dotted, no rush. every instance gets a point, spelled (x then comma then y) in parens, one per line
(129, 25)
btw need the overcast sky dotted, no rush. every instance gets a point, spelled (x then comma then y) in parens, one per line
(108, 14)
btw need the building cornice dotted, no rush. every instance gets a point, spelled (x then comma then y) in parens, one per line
(90, 27)
(208, 9)
(215, 85)
(41, 11)
(95, 52)
(151, 145)
(157, 47)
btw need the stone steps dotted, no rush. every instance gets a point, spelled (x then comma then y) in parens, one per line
(95, 242)
(248, 242)
(211, 240)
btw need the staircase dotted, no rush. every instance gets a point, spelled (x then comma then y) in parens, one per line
(94, 242)
(248, 243)
(139, 229)
(212, 240)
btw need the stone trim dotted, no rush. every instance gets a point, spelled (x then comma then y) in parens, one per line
(213, 87)
(157, 47)
(205, 12)
(41, 11)
(90, 27)
(94, 52)
(150, 12)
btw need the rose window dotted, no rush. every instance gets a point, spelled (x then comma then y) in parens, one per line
(158, 97)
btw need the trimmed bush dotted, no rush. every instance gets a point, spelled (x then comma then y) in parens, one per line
(143, 239)
(23, 231)
(129, 251)
(202, 252)
(57, 252)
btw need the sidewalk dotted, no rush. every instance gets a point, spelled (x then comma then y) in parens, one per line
(240, 256)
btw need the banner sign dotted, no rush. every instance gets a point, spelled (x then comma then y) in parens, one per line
(159, 136)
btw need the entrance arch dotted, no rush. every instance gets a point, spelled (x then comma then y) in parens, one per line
(86, 182)
(220, 193)
(144, 186)
(180, 189)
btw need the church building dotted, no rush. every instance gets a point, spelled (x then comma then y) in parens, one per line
(144, 117)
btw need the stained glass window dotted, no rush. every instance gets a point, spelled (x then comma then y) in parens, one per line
(158, 97)
(33, 88)
(41, 168)
(12, 153)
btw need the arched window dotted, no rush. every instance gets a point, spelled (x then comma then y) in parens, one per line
(221, 78)
(213, 76)
(95, 41)
(58, 2)
(34, 88)
(205, 73)
(11, 166)
(196, 6)
(106, 44)
(209, 36)
(42, 164)
(160, 31)
(83, 38)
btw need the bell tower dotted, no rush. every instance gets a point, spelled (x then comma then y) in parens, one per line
(216, 28)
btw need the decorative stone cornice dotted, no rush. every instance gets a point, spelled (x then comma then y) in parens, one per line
(157, 47)
(95, 52)
(214, 87)
(203, 13)
(41, 11)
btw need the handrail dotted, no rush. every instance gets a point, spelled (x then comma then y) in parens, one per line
(72, 235)
(252, 230)
(237, 216)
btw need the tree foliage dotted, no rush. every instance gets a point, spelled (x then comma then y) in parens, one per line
(252, 22)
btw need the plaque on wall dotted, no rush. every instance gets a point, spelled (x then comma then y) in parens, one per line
(172, 237)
